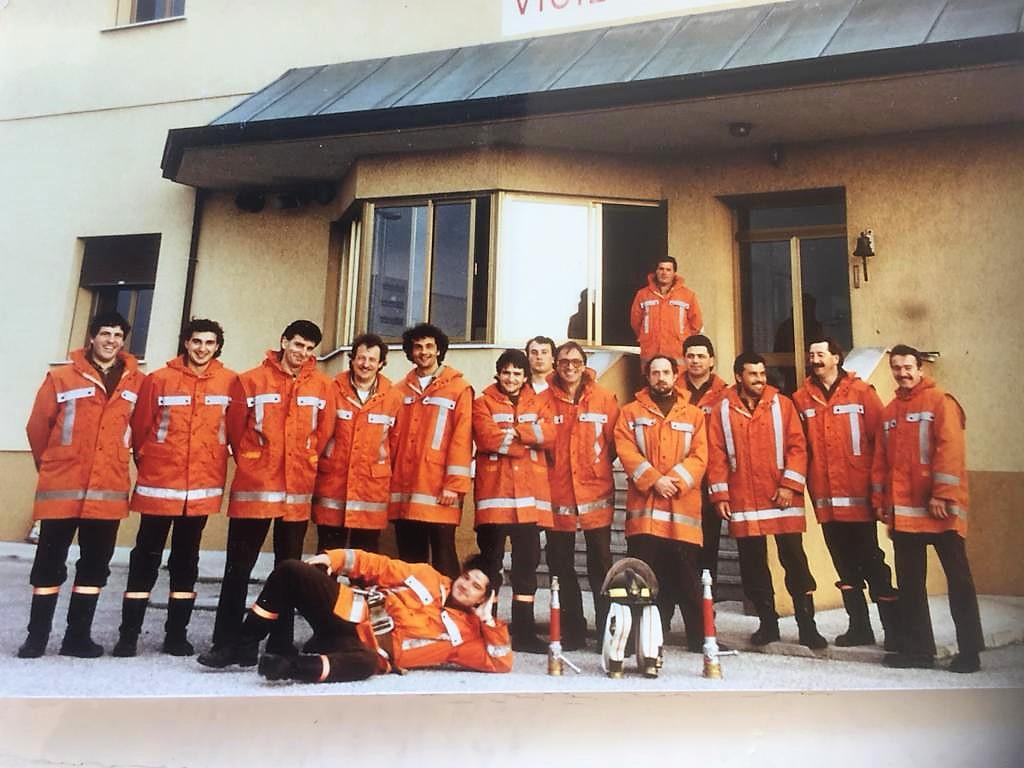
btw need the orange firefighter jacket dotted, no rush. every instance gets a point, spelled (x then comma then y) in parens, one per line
(427, 633)
(840, 434)
(919, 454)
(511, 464)
(580, 472)
(80, 437)
(651, 445)
(277, 427)
(712, 395)
(662, 321)
(752, 454)
(431, 447)
(179, 433)
(353, 482)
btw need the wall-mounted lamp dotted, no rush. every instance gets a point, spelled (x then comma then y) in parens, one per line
(865, 250)
(775, 155)
(740, 130)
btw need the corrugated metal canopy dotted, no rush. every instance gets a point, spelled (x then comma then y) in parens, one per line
(739, 50)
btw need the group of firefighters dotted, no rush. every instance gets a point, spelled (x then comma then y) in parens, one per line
(536, 449)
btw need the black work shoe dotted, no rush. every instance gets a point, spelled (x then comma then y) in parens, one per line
(811, 638)
(244, 655)
(766, 633)
(274, 667)
(696, 645)
(908, 661)
(965, 663)
(80, 647)
(855, 637)
(33, 647)
(529, 644)
(126, 646)
(177, 646)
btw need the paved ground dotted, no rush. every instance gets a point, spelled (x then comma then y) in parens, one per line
(782, 666)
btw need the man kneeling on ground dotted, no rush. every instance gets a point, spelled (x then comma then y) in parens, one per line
(409, 616)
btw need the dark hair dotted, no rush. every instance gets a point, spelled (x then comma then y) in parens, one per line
(307, 329)
(663, 259)
(570, 345)
(108, 320)
(834, 347)
(369, 340)
(699, 340)
(746, 358)
(514, 357)
(671, 360)
(540, 340)
(201, 325)
(906, 349)
(480, 563)
(424, 331)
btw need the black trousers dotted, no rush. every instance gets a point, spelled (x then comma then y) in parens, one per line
(858, 558)
(561, 557)
(757, 578)
(911, 551)
(711, 526)
(183, 563)
(339, 537)
(245, 538)
(525, 552)
(95, 547)
(675, 565)
(434, 543)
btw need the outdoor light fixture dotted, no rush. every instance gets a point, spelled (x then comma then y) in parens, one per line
(865, 250)
(740, 130)
(775, 155)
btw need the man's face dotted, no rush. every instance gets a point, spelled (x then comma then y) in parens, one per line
(296, 351)
(424, 354)
(570, 366)
(470, 588)
(541, 356)
(752, 380)
(660, 376)
(511, 379)
(200, 348)
(664, 274)
(906, 371)
(698, 362)
(108, 341)
(823, 363)
(365, 363)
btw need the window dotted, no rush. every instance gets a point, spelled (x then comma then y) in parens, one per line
(151, 10)
(793, 252)
(118, 275)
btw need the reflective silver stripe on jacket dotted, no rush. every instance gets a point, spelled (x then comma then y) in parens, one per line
(643, 467)
(223, 401)
(855, 410)
(841, 501)
(178, 495)
(80, 495)
(663, 516)
(730, 444)
(69, 397)
(257, 402)
(582, 509)
(947, 479)
(776, 408)
(687, 429)
(924, 419)
(523, 502)
(597, 419)
(808, 413)
(645, 306)
(796, 477)
(457, 470)
(953, 509)
(680, 470)
(506, 441)
(411, 643)
(503, 418)
(166, 402)
(343, 414)
(719, 488)
(766, 514)
(350, 506)
(683, 306)
(358, 611)
(131, 397)
(272, 497)
(454, 634)
(443, 406)
(638, 433)
(414, 498)
(316, 403)
(497, 651)
(349, 562)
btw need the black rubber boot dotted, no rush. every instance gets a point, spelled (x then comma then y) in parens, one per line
(245, 652)
(859, 632)
(133, 612)
(282, 636)
(803, 606)
(965, 663)
(889, 614)
(524, 629)
(40, 621)
(179, 613)
(768, 630)
(77, 639)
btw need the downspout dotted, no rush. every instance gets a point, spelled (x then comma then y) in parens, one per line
(193, 257)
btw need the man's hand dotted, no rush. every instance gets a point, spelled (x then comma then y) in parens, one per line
(448, 498)
(722, 507)
(938, 508)
(882, 513)
(320, 561)
(485, 611)
(666, 487)
(783, 497)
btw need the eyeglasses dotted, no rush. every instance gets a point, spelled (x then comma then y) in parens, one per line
(570, 363)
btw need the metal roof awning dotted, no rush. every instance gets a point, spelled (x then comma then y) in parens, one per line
(618, 89)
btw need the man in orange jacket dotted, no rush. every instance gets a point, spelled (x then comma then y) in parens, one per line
(662, 443)
(432, 447)
(353, 482)
(664, 313)
(757, 461)
(279, 420)
(841, 414)
(919, 488)
(582, 486)
(179, 432)
(79, 432)
(512, 427)
(540, 351)
(409, 617)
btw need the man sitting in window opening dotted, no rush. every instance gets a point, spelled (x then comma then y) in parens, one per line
(664, 313)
